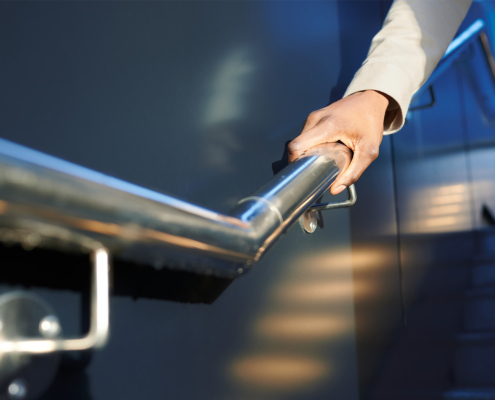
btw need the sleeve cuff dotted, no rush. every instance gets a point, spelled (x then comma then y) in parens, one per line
(390, 79)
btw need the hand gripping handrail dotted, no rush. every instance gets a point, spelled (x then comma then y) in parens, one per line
(66, 206)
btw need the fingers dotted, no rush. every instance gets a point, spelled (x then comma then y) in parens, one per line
(321, 133)
(312, 120)
(363, 157)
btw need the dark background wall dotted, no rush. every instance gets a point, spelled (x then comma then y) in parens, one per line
(197, 99)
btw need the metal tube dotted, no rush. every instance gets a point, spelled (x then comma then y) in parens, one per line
(69, 207)
(453, 52)
(485, 43)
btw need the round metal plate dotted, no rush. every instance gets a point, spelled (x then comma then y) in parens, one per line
(24, 315)
(309, 221)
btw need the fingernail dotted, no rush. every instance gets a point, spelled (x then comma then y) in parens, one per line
(339, 189)
(295, 146)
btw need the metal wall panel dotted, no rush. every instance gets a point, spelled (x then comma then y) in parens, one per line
(198, 99)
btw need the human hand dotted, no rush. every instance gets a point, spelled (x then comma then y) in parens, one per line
(356, 121)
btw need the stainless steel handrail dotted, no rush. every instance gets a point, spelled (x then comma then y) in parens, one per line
(341, 204)
(49, 202)
(456, 50)
(99, 325)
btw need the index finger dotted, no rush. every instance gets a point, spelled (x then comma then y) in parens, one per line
(321, 133)
(363, 157)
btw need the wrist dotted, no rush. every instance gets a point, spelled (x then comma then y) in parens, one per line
(381, 99)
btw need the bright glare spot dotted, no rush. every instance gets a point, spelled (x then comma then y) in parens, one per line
(448, 199)
(442, 210)
(342, 263)
(279, 372)
(322, 292)
(46, 325)
(303, 327)
(441, 221)
(451, 189)
(3, 206)
(17, 389)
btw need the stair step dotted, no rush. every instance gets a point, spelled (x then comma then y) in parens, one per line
(475, 359)
(479, 314)
(470, 394)
(483, 275)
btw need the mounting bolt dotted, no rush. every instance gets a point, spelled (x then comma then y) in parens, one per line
(17, 389)
(49, 326)
(308, 221)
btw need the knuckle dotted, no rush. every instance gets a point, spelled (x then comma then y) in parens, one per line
(326, 120)
(372, 151)
(293, 146)
(313, 116)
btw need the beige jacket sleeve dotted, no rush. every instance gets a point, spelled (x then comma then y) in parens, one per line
(407, 49)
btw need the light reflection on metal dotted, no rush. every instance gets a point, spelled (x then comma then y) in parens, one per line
(441, 221)
(98, 332)
(307, 316)
(453, 52)
(442, 210)
(303, 327)
(340, 204)
(41, 194)
(449, 199)
(452, 189)
(434, 209)
(321, 292)
(335, 263)
(309, 221)
(487, 48)
(279, 372)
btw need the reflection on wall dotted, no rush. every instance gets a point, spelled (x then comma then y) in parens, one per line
(280, 373)
(226, 106)
(303, 327)
(308, 317)
(437, 197)
(483, 167)
(440, 209)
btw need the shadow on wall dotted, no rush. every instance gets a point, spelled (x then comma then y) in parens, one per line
(50, 269)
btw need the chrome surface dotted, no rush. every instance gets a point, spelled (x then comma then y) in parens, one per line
(456, 50)
(17, 389)
(48, 326)
(22, 375)
(47, 202)
(309, 221)
(487, 48)
(341, 204)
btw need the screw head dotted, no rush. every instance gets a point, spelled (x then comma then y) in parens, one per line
(49, 326)
(17, 389)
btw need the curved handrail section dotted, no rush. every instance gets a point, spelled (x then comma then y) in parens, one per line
(48, 202)
(457, 48)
